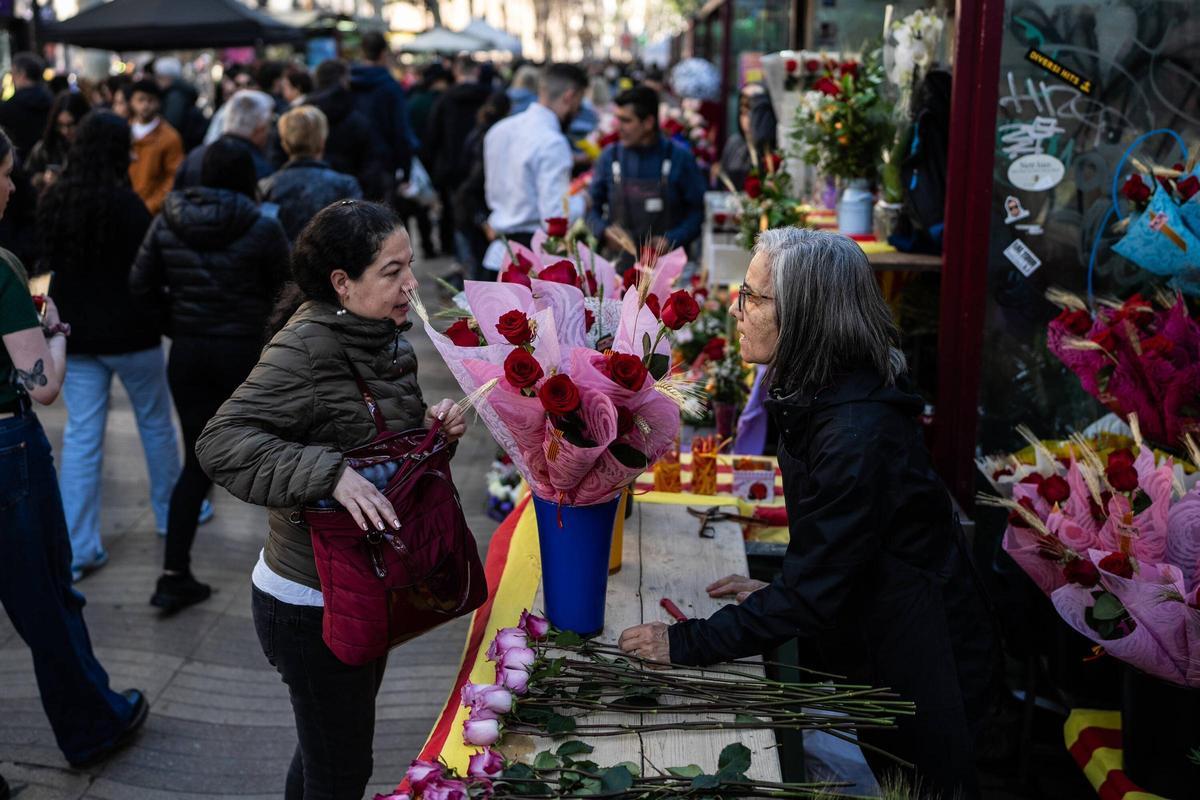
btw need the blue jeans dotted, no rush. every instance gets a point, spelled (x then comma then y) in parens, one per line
(35, 589)
(144, 376)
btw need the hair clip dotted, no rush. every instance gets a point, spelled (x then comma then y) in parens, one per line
(346, 203)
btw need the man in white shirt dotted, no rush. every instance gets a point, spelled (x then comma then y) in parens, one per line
(527, 162)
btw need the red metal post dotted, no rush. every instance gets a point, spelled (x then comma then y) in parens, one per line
(980, 29)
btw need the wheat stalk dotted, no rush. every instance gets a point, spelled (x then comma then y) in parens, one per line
(683, 392)
(1012, 505)
(1064, 299)
(622, 239)
(1137, 431)
(417, 304)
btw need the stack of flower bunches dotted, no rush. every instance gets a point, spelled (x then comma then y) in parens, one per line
(1118, 556)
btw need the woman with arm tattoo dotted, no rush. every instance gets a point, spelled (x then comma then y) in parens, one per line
(89, 719)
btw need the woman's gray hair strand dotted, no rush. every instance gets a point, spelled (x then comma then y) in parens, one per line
(830, 312)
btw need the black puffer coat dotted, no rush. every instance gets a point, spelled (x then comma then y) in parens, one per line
(353, 146)
(213, 263)
(875, 582)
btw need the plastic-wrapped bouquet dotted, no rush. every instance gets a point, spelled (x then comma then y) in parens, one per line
(579, 421)
(1135, 357)
(1119, 558)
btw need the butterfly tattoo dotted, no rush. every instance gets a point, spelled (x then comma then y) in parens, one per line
(34, 378)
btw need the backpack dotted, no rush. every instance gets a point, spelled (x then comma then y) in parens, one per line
(923, 170)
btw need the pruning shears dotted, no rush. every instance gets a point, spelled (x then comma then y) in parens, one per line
(708, 516)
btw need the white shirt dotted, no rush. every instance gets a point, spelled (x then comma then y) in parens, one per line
(282, 589)
(143, 129)
(527, 173)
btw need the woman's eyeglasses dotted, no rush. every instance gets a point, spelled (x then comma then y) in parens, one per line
(745, 291)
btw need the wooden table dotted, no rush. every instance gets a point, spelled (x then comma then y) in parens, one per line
(665, 557)
(896, 261)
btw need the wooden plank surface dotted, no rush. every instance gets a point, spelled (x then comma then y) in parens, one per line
(904, 262)
(664, 557)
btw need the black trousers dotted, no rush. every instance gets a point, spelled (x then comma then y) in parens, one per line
(202, 374)
(334, 703)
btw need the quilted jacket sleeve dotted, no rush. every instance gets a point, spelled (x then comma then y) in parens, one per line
(256, 446)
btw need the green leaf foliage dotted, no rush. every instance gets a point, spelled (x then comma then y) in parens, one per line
(559, 724)
(616, 779)
(546, 760)
(690, 771)
(574, 748)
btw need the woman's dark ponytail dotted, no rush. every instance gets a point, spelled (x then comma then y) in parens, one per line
(346, 235)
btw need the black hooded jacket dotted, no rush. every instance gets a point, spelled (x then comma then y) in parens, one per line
(353, 148)
(874, 582)
(213, 263)
(450, 123)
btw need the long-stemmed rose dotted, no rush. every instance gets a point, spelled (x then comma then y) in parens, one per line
(463, 335)
(679, 309)
(515, 327)
(522, 370)
(560, 272)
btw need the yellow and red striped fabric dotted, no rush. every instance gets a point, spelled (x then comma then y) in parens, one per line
(1094, 741)
(645, 483)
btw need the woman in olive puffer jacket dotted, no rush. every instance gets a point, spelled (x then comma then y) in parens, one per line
(278, 441)
(211, 265)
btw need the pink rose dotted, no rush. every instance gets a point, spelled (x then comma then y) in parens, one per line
(485, 764)
(506, 639)
(518, 658)
(422, 773)
(395, 796)
(446, 790)
(494, 698)
(481, 732)
(537, 627)
(515, 679)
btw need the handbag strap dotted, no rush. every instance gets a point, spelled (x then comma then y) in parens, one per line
(368, 398)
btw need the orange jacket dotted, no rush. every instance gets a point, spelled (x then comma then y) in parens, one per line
(155, 158)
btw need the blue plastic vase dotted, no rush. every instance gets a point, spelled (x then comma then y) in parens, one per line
(575, 562)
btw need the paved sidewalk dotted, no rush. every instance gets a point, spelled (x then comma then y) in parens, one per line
(220, 722)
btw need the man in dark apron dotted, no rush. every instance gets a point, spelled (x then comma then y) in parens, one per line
(646, 184)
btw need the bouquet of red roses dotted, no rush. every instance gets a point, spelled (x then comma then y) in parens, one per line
(1118, 558)
(580, 423)
(1136, 357)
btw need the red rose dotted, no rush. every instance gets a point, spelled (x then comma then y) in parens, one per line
(679, 310)
(561, 272)
(521, 369)
(653, 304)
(522, 264)
(812, 65)
(790, 65)
(1135, 189)
(1123, 479)
(672, 127)
(629, 278)
(772, 161)
(1106, 339)
(1120, 458)
(752, 186)
(715, 349)
(1054, 489)
(758, 491)
(828, 86)
(627, 370)
(1118, 564)
(559, 395)
(514, 275)
(625, 421)
(1078, 322)
(1188, 187)
(1098, 510)
(514, 326)
(462, 334)
(556, 227)
(589, 319)
(1157, 344)
(609, 138)
(1081, 571)
(848, 68)
(1018, 521)
(1034, 478)
(592, 286)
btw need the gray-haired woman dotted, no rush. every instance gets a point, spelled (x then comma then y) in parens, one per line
(875, 582)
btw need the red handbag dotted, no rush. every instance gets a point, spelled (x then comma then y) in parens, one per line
(382, 588)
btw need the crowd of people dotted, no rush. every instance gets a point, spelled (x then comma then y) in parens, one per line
(261, 223)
